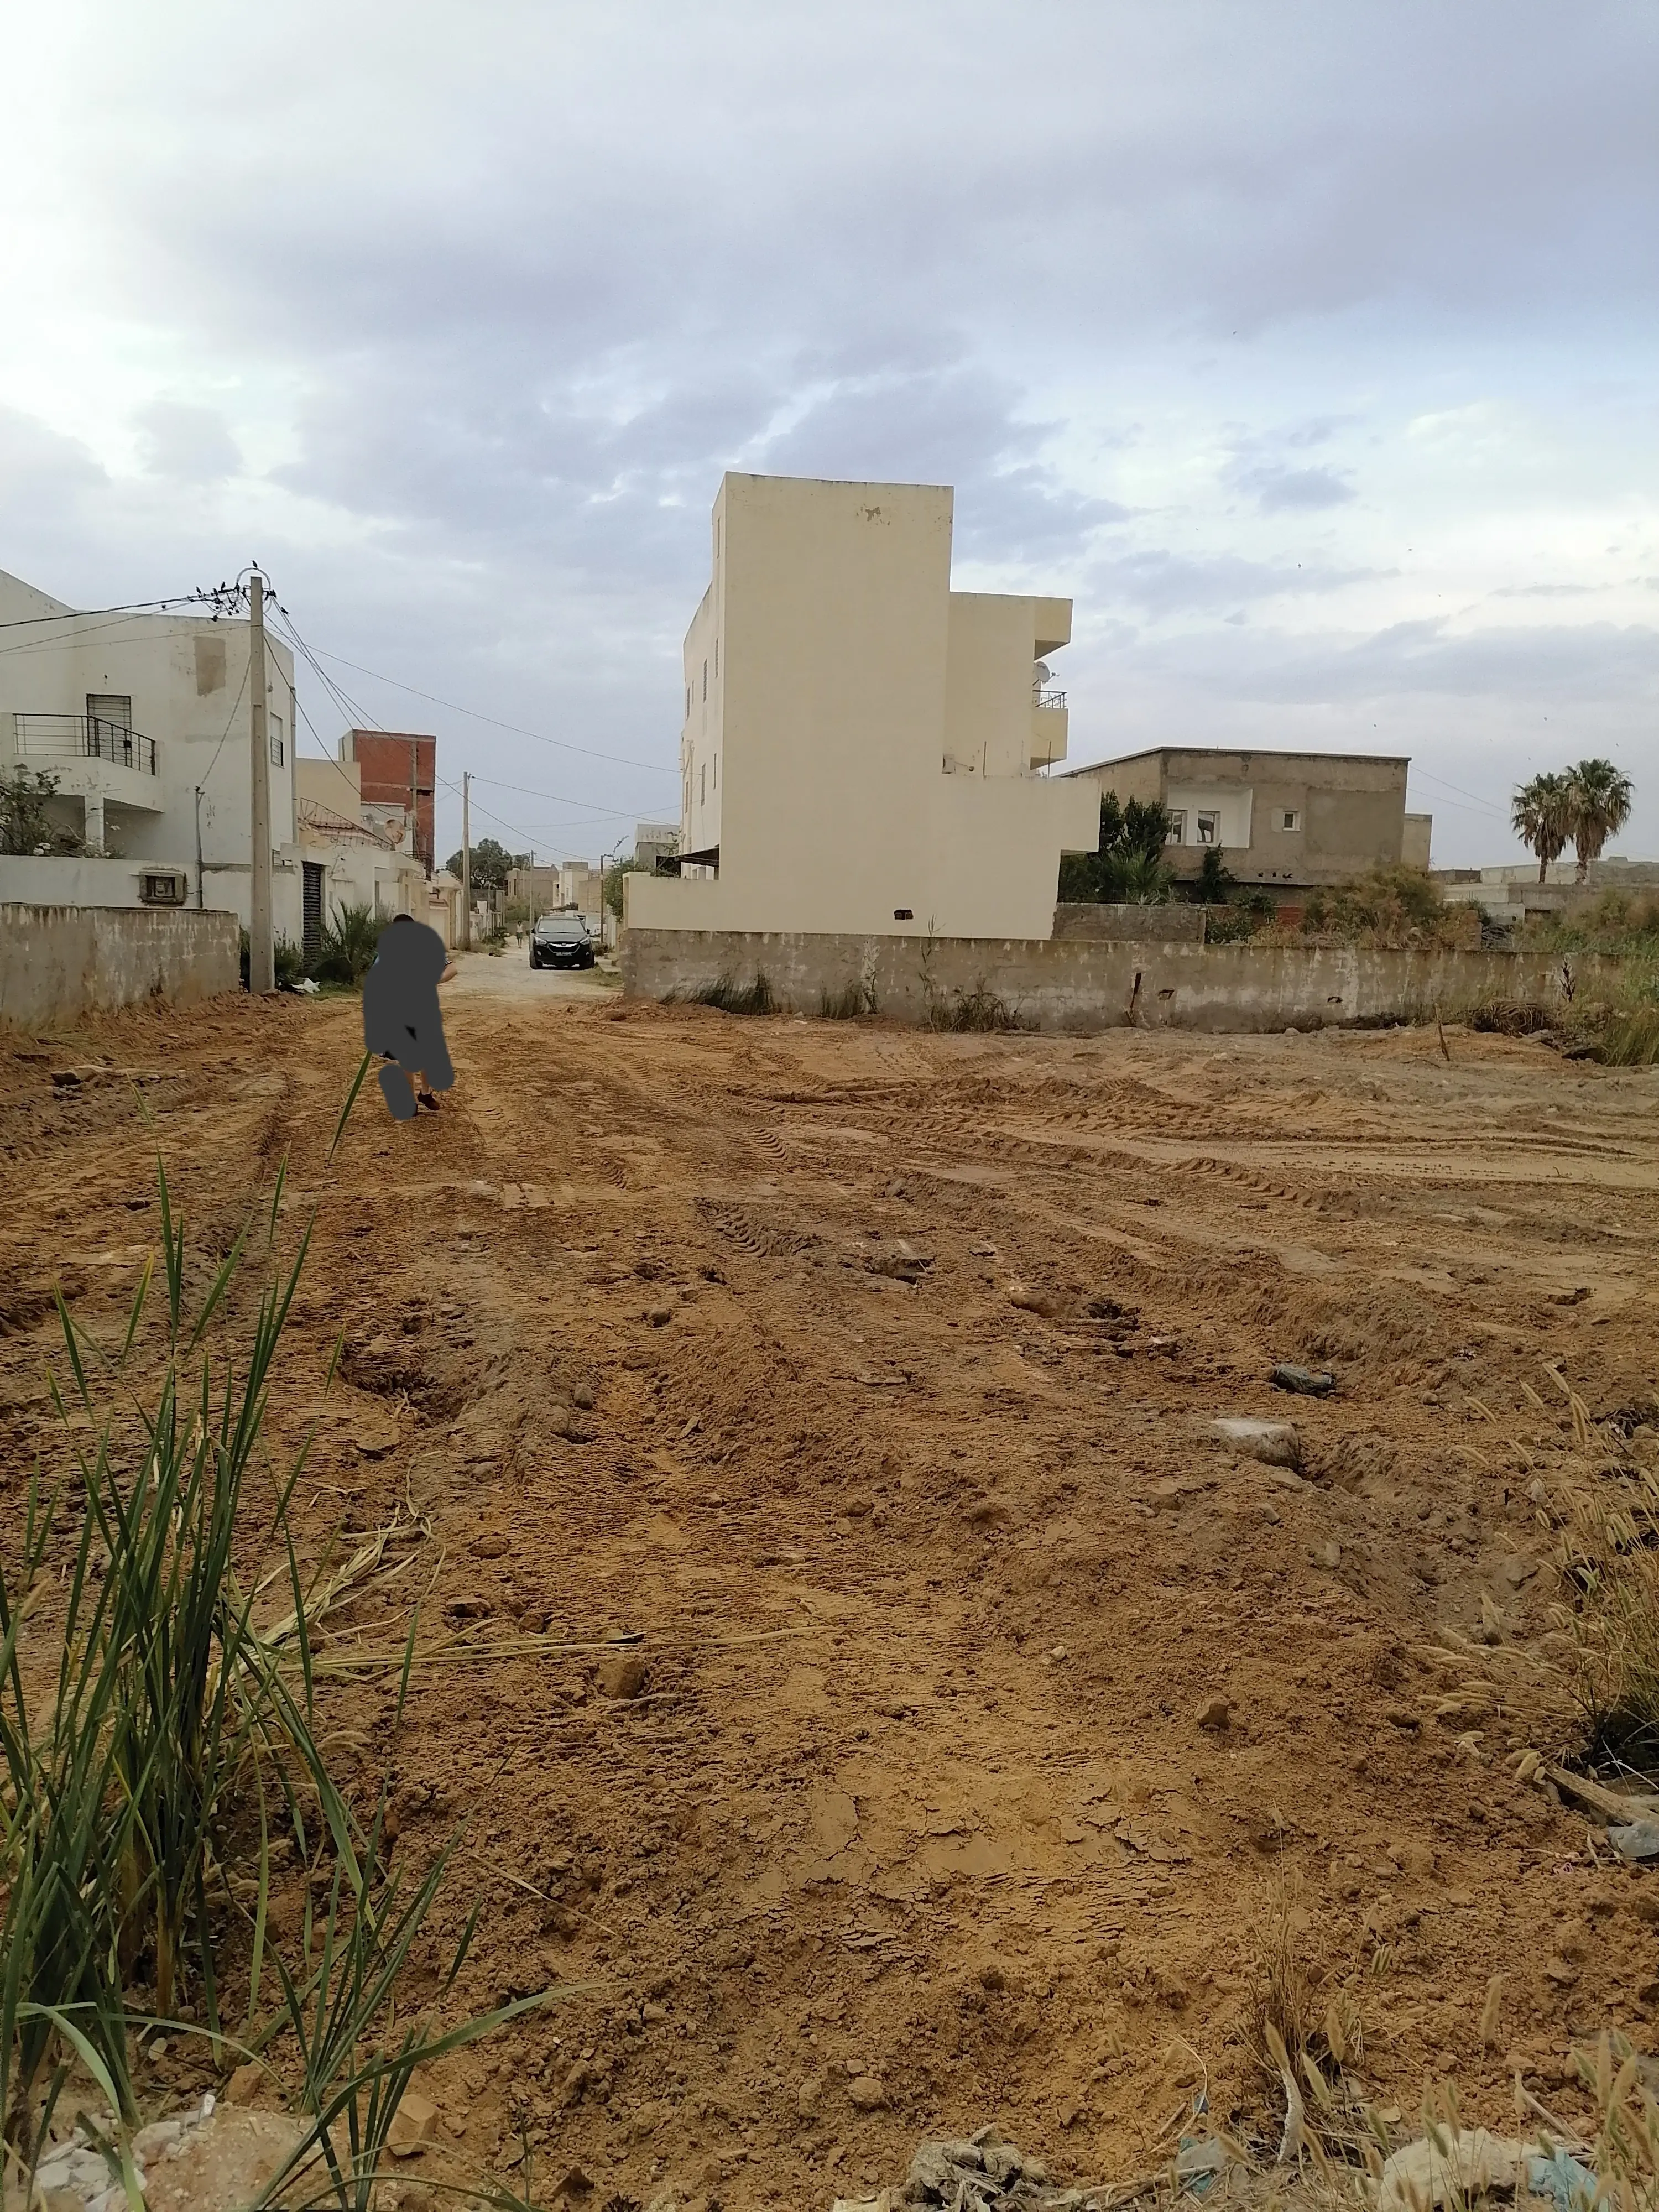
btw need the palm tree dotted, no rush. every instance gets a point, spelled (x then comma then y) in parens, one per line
(1541, 814)
(1599, 803)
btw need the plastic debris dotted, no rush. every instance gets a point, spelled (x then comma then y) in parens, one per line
(1199, 2163)
(1454, 2169)
(1570, 2185)
(1637, 1841)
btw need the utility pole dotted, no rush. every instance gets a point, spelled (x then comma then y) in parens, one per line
(262, 950)
(466, 861)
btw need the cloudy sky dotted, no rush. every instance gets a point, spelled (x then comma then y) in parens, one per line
(1310, 345)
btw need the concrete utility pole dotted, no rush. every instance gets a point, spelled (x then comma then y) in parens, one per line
(261, 944)
(466, 861)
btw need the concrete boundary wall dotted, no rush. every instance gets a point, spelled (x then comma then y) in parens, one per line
(1080, 985)
(59, 962)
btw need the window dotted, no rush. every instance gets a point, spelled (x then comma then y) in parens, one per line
(115, 709)
(717, 771)
(703, 784)
(161, 890)
(1178, 830)
(1209, 829)
(705, 680)
(717, 660)
(276, 741)
(1288, 817)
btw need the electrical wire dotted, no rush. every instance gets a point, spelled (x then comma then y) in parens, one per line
(75, 614)
(617, 760)
(220, 747)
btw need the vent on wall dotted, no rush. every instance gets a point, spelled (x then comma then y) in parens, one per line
(161, 887)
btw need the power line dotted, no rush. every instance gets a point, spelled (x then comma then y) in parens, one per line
(132, 607)
(1424, 775)
(220, 747)
(617, 760)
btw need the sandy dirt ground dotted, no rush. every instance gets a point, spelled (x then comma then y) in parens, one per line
(866, 1377)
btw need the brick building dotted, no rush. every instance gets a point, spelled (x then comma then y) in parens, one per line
(399, 770)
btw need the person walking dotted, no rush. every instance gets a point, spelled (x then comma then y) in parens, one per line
(403, 1023)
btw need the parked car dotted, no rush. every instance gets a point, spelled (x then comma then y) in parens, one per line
(561, 940)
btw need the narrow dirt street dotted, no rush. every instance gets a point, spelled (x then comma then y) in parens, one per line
(990, 1720)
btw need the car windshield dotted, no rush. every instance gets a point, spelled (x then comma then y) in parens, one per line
(561, 925)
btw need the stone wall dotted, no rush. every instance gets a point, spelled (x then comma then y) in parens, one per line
(1172, 923)
(1083, 985)
(59, 962)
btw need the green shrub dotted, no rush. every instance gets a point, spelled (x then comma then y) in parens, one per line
(1398, 908)
(348, 945)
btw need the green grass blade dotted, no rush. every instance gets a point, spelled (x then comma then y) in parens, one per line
(351, 1101)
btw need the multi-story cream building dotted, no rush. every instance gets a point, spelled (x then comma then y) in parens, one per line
(862, 747)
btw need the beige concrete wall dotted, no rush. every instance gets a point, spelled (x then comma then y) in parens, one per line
(1084, 986)
(59, 962)
(1414, 840)
(829, 673)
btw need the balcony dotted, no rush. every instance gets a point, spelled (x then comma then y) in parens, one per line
(89, 759)
(1051, 727)
(84, 737)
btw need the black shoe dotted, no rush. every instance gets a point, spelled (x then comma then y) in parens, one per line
(428, 1099)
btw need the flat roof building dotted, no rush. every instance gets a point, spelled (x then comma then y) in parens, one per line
(1284, 820)
(862, 748)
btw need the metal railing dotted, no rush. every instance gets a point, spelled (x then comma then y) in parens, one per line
(84, 737)
(1042, 698)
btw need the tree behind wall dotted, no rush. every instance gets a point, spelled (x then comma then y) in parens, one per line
(1130, 869)
(25, 825)
(1541, 814)
(1599, 802)
(491, 864)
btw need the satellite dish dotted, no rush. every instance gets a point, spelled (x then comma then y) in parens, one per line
(1043, 672)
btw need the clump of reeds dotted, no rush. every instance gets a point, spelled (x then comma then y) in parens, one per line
(129, 1785)
(981, 1009)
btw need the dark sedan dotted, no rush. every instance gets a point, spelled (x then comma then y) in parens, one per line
(561, 940)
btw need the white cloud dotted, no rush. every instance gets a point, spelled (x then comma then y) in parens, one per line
(1279, 350)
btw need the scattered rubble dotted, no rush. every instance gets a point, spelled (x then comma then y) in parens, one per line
(1310, 1382)
(1279, 1443)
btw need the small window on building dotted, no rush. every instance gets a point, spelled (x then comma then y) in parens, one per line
(904, 913)
(277, 741)
(1289, 817)
(705, 680)
(1178, 828)
(717, 771)
(703, 784)
(717, 660)
(1209, 829)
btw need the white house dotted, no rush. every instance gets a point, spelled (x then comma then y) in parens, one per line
(144, 722)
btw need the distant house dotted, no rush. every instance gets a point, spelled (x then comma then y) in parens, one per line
(398, 779)
(345, 858)
(1284, 822)
(861, 747)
